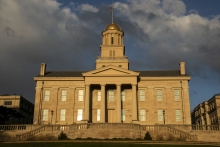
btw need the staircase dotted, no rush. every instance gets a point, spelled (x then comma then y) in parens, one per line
(26, 135)
(158, 129)
(51, 129)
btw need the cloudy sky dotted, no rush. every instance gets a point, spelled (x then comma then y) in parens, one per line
(66, 35)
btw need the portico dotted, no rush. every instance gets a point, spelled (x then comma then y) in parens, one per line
(104, 77)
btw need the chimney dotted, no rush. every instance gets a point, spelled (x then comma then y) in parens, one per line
(182, 68)
(42, 69)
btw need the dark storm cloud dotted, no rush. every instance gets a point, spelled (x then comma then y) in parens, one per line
(173, 36)
(40, 31)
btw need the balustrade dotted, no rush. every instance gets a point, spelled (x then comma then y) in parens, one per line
(181, 130)
(12, 127)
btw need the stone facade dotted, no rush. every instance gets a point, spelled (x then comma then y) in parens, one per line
(208, 112)
(21, 105)
(112, 93)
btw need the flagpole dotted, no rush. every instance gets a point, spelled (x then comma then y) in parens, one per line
(112, 12)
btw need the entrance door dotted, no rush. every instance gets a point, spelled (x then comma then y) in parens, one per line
(111, 115)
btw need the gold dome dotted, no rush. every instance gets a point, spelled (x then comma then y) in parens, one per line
(113, 26)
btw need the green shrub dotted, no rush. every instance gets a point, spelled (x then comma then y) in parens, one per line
(78, 139)
(159, 137)
(62, 136)
(181, 138)
(41, 137)
(147, 136)
(170, 137)
(89, 138)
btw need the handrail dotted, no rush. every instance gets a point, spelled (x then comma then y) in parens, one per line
(181, 133)
(168, 128)
(30, 133)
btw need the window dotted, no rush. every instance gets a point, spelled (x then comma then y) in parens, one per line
(80, 95)
(45, 115)
(142, 95)
(99, 95)
(63, 95)
(103, 65)
(113, 53)
(112, 40)
(98, 114)
(123, 114)
(7, 102)
(110, 53)
(79, 114)
(120, 66)
(62, 114)
(159, 95)
(111, 96)
(123, 95)
(160, 115)
(178, 116)
(142, 115)
(46, 95)
(177, 95)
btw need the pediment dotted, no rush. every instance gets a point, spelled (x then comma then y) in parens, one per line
(111, 71)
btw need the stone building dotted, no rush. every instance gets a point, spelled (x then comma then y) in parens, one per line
(21, 105)
(208, 112)
(112, 93)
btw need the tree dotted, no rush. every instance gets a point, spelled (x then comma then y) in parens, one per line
(62, 136)
(6, 113)
(147, 136)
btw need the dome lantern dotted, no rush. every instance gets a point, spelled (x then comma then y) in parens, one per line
(113, 26)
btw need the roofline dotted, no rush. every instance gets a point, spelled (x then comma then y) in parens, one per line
(15, 97)
(165, 78)
(58, 78)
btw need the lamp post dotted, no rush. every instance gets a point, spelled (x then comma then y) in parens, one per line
(164, 117)
(51, 116)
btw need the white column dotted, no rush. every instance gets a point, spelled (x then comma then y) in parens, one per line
(122, 40)
(116, 39)
(118, 104)
(54, 105)
(37, 108)
(71, 96)
(102, 119)
(134, 102)
(87, 103)
(103, 40)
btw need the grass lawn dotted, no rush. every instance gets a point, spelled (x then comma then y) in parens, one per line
(94, 144)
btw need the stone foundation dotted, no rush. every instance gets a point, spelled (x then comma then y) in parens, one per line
(115, 130)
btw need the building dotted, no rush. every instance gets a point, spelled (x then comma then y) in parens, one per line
(112, 93)
(21, 105)
(208, 112)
